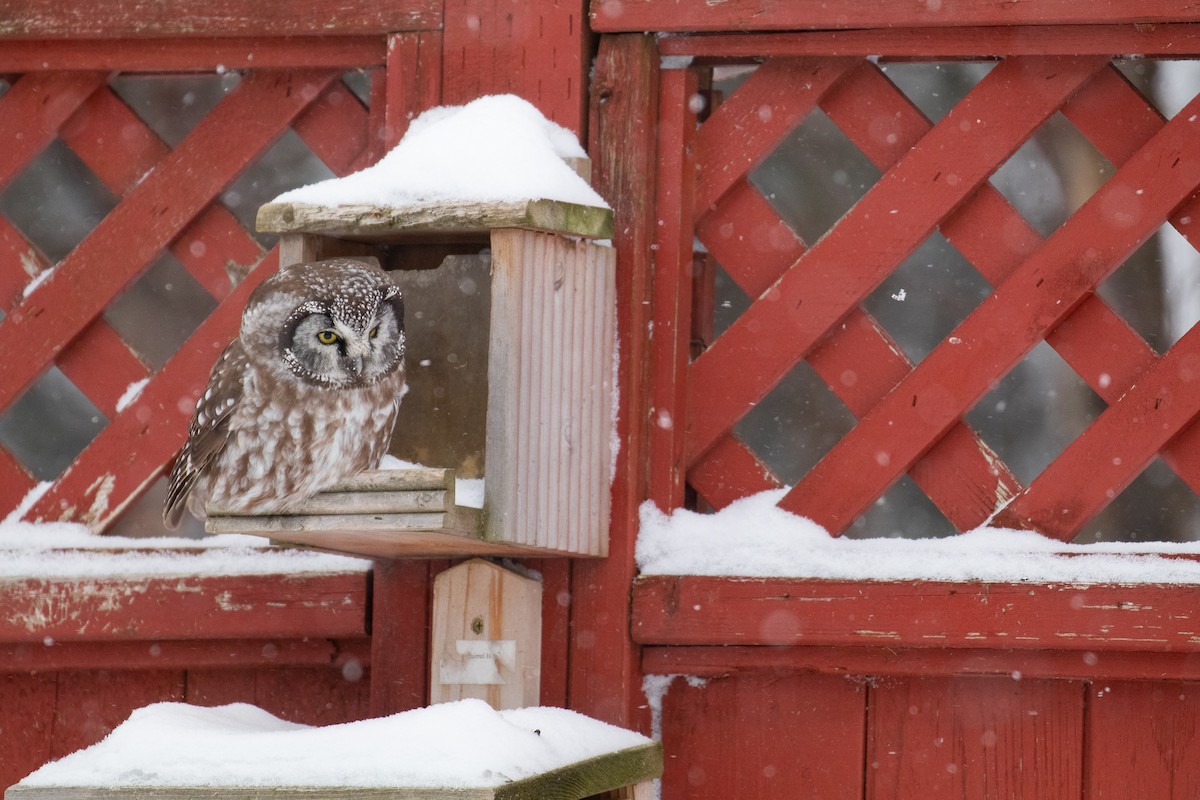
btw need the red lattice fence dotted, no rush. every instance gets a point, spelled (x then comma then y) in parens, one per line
(807, 296)
(169, 200)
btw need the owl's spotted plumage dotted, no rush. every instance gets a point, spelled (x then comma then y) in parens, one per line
(305, 396)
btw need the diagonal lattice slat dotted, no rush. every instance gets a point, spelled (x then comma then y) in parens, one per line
(757, 117)
(1114, 448)
(1029, 304)
(884, 227)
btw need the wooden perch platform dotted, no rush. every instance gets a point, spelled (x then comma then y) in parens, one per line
(399, 513)
(434, 221)
(619, 775)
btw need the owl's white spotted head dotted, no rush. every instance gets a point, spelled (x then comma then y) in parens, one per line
(337, 323)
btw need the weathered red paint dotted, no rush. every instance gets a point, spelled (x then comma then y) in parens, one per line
(691, 610)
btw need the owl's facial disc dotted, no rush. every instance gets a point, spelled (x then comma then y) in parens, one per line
(325, 348)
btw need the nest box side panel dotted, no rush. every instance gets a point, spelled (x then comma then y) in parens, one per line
(550, 372)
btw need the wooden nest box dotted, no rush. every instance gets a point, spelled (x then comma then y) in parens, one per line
(509, 317)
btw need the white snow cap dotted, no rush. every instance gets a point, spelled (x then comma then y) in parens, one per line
(69, 551)
(496, 148)
(754, 537)
(461, 744)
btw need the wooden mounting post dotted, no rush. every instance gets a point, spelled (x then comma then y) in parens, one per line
(487, 636)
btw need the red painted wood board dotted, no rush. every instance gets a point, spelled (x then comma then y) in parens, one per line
(414, 80)
(536, 50)
(400, 609)
(50, 19)
(169, 197)
(1141, 740)
(764, 734)
(26, 724)
(1115, 448)
(610, 16)
(191, 54)
(325, 695)
(858, 662)
(836, 273)
(974, 738)
(225, 607)
(754, 120)
(748, 238)
(604, 681)
(90, 703)
(18, 258)
(672, 287)
(102, 366)
(670, 610)
(932, 44)
(32, 111)
(50, 655)
(336, 128)
(15, 480)
(1031, 302)
(730, 471)
(556, 628)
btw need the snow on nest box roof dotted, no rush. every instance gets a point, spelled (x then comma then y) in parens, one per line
(462, 744)
(496, 148)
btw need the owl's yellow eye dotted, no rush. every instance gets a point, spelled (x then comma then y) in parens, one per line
(374, 332)
(327, 337)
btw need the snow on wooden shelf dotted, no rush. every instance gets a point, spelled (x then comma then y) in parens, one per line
(463, 750)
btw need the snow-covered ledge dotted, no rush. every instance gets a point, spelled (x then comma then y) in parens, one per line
(753, 575)
(61, 584)
(463, 750)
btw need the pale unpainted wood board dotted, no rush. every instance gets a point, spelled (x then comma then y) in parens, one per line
(394, 225)
(550, 399)
(396, 480)
(332, 524)
(479, 601)
(339, 503)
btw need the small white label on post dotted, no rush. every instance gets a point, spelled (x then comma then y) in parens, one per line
(477, 662)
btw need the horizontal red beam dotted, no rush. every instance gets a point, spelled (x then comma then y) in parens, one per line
(611, 16)
(674, 610)
(169, 654)
(226, 607)
(937, 43)
(112, 19)
(191, 54)
(921, 662)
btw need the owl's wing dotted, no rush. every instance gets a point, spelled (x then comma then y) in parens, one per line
(208, 431)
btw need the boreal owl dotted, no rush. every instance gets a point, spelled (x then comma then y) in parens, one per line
(305, 396)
